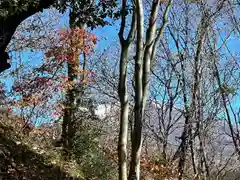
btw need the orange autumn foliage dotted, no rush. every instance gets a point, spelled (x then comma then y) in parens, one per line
(35, 89)
(72, 41)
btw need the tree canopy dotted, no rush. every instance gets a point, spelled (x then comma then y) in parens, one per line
(13, 12)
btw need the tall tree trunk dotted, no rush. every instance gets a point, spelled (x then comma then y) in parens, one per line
(123, 96)
(204, 173)
(122, 91)
(72, 97)
(187, 137)
(71, 104)
(134, 173)
(145, 54)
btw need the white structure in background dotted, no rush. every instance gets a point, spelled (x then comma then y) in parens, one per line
(104, 110)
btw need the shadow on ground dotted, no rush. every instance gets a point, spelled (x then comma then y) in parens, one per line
(18, 162)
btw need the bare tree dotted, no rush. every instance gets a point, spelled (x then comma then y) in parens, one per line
(122, 89)
(145, 53)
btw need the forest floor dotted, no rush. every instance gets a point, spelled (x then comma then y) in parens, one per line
(23, 159)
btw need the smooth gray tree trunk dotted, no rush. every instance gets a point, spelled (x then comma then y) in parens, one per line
(145, 54)
(122, 91)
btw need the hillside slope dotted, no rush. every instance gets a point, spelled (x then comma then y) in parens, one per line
(21, 159)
